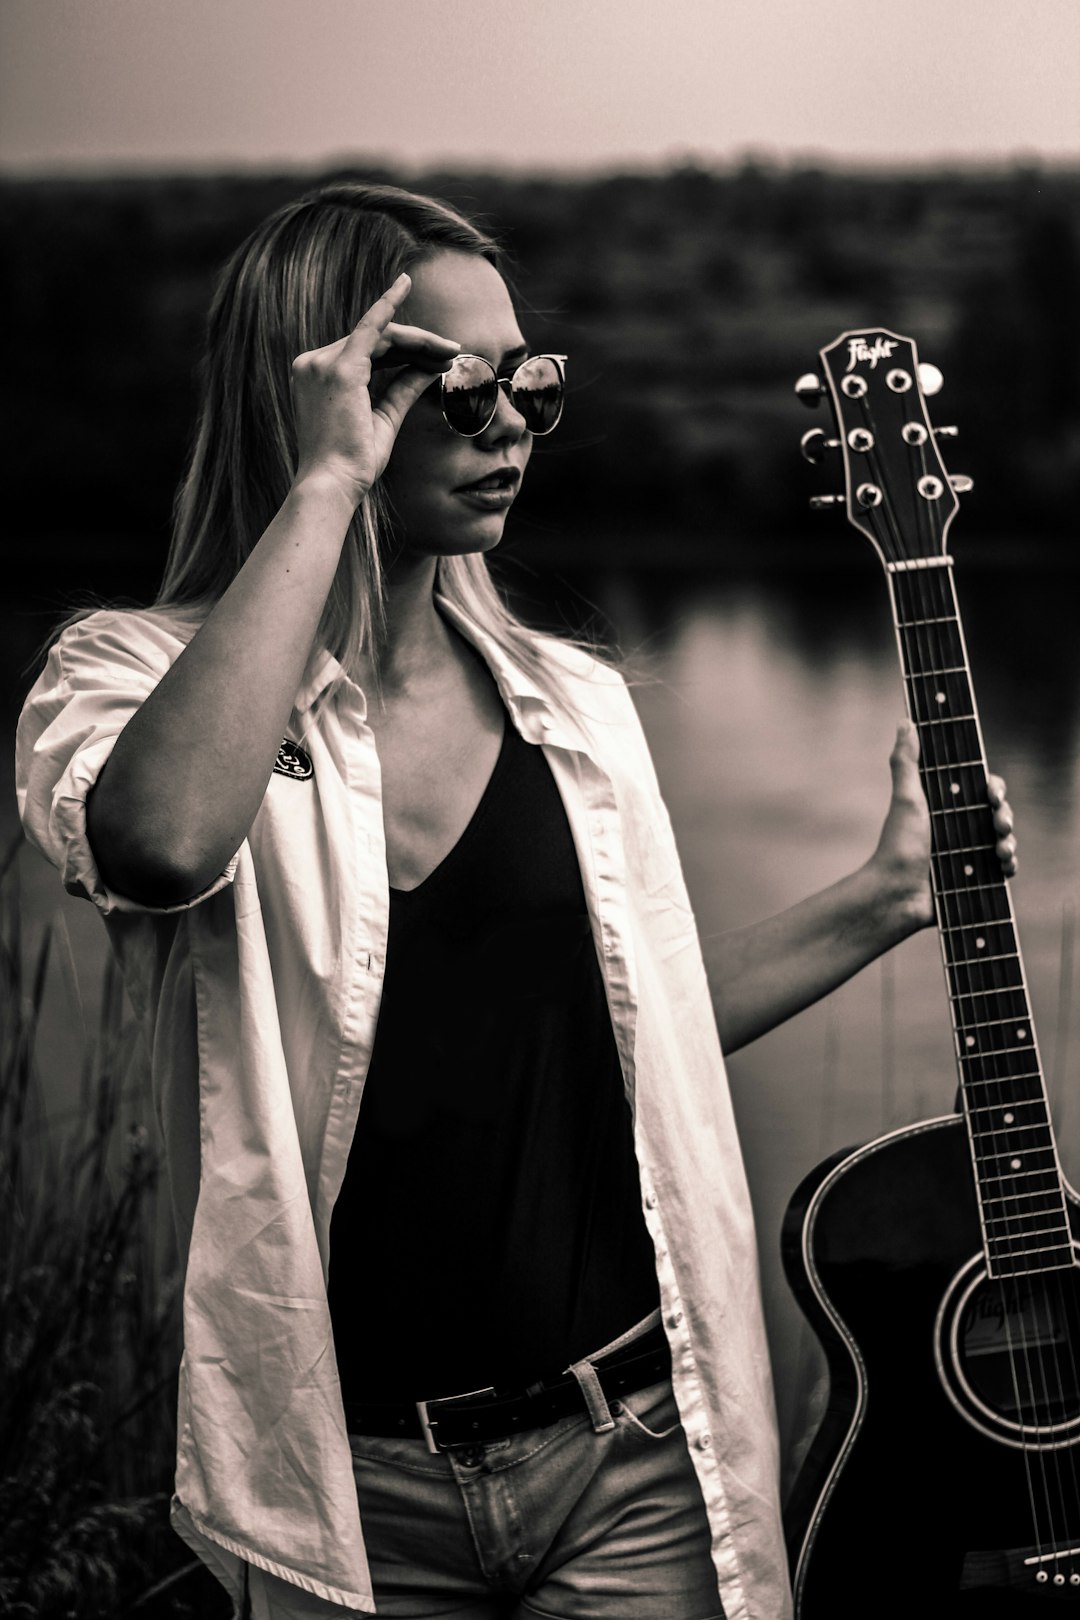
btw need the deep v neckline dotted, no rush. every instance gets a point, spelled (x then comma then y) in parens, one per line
(471, 826)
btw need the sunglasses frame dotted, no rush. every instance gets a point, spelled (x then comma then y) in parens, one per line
(560, 366)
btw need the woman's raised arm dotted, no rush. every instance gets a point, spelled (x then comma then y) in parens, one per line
(769, 971)
(189, 771)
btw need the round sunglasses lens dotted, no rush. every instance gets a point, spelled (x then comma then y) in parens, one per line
(538, 393)
(469, 394)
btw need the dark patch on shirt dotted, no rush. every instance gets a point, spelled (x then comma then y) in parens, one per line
(293, 761)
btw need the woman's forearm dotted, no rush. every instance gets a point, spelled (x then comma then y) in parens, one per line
(771, 970)
(189, 770)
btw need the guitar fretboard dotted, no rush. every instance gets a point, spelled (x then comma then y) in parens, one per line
(1017, 1174)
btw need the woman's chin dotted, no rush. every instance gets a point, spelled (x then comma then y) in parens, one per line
(462, 540)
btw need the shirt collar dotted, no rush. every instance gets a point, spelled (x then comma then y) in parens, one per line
(534, 712)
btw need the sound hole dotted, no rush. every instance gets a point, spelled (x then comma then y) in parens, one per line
(1016, 1342)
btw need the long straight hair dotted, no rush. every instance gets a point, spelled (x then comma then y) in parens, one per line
(302, 280)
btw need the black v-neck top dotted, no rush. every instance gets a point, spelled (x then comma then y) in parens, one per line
(489, 1228)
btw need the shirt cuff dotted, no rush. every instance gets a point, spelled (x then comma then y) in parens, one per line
(78, 869)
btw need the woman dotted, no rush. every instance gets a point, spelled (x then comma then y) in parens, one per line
(355, 831)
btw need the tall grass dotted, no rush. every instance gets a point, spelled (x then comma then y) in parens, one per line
(89, 1313)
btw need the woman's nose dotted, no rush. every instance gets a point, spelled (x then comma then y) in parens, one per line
(508, 422)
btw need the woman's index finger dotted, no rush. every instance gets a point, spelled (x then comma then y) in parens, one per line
(383, 310)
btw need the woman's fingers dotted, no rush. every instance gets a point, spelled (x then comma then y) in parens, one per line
(391, 343)
(374, 320)
(400, 394)
(1003, 824)
(413, 346)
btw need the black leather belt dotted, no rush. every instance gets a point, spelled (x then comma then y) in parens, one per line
(483, 1415)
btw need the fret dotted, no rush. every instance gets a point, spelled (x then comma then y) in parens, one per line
(947, 720)
(943, 747)
(1053, 1193)
(971, 888)
(1010, 1130)
(1003, 1267)
(990, 1185)
(1060, 1225)
(974, 910)
(1011, 1009)
(1010, 1086)
(977, 961)
(913, 624)
(997, 1108)
(952, 765)
(1018, 1161)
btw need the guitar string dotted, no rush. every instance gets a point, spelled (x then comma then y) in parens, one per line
(929, 647)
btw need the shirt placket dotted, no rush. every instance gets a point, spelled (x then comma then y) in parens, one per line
(363, 873)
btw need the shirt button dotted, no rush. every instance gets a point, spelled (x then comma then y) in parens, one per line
(651, 1200)
(545, 722)
(674, 1319)
(704, 1441)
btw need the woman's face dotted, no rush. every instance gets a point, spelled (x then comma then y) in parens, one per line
(450, 494)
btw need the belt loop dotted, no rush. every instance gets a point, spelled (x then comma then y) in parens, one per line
(595, 1399)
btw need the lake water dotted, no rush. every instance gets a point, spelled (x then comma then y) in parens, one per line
(770, 702)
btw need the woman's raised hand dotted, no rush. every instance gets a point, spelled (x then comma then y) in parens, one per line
(342, 434)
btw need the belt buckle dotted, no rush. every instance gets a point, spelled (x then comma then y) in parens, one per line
(428, 1424)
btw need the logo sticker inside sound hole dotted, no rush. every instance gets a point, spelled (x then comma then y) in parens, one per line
(293, 761)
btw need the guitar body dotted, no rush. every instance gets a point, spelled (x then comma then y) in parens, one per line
(914, 1500)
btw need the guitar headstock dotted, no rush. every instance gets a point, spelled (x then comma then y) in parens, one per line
(898, 492)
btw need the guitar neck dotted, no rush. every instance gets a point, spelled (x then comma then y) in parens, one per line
(1020, 1190)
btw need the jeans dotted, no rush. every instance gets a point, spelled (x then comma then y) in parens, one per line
(597, 1517)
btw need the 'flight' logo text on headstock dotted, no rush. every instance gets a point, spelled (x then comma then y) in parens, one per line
(860, 351)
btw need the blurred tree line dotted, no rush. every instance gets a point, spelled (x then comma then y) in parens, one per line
(688, 303)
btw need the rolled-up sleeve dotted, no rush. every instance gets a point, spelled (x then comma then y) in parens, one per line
(98, 673)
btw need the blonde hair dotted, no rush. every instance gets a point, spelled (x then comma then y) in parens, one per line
(301, 280)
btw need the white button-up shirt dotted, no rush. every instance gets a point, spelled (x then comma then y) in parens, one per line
(260, 999)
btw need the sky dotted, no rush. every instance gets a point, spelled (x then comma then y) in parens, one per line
(92, 86)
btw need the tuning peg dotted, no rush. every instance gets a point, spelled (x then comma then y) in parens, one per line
(961, 483)
(821, 503)
(810, 388)
(947, 432)
(930, 378)
(814, 445)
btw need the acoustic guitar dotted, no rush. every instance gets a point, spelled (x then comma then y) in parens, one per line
(938, 1265)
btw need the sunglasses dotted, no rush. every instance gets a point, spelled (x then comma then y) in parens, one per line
(470, 393)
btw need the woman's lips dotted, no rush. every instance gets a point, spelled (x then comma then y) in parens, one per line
(500, 478)
(494, 491)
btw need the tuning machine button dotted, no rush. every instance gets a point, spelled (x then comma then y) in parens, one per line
(946, 432)
(961, 483)
(931, 379)
(810, 388)
(815, 446)
(821, 503)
